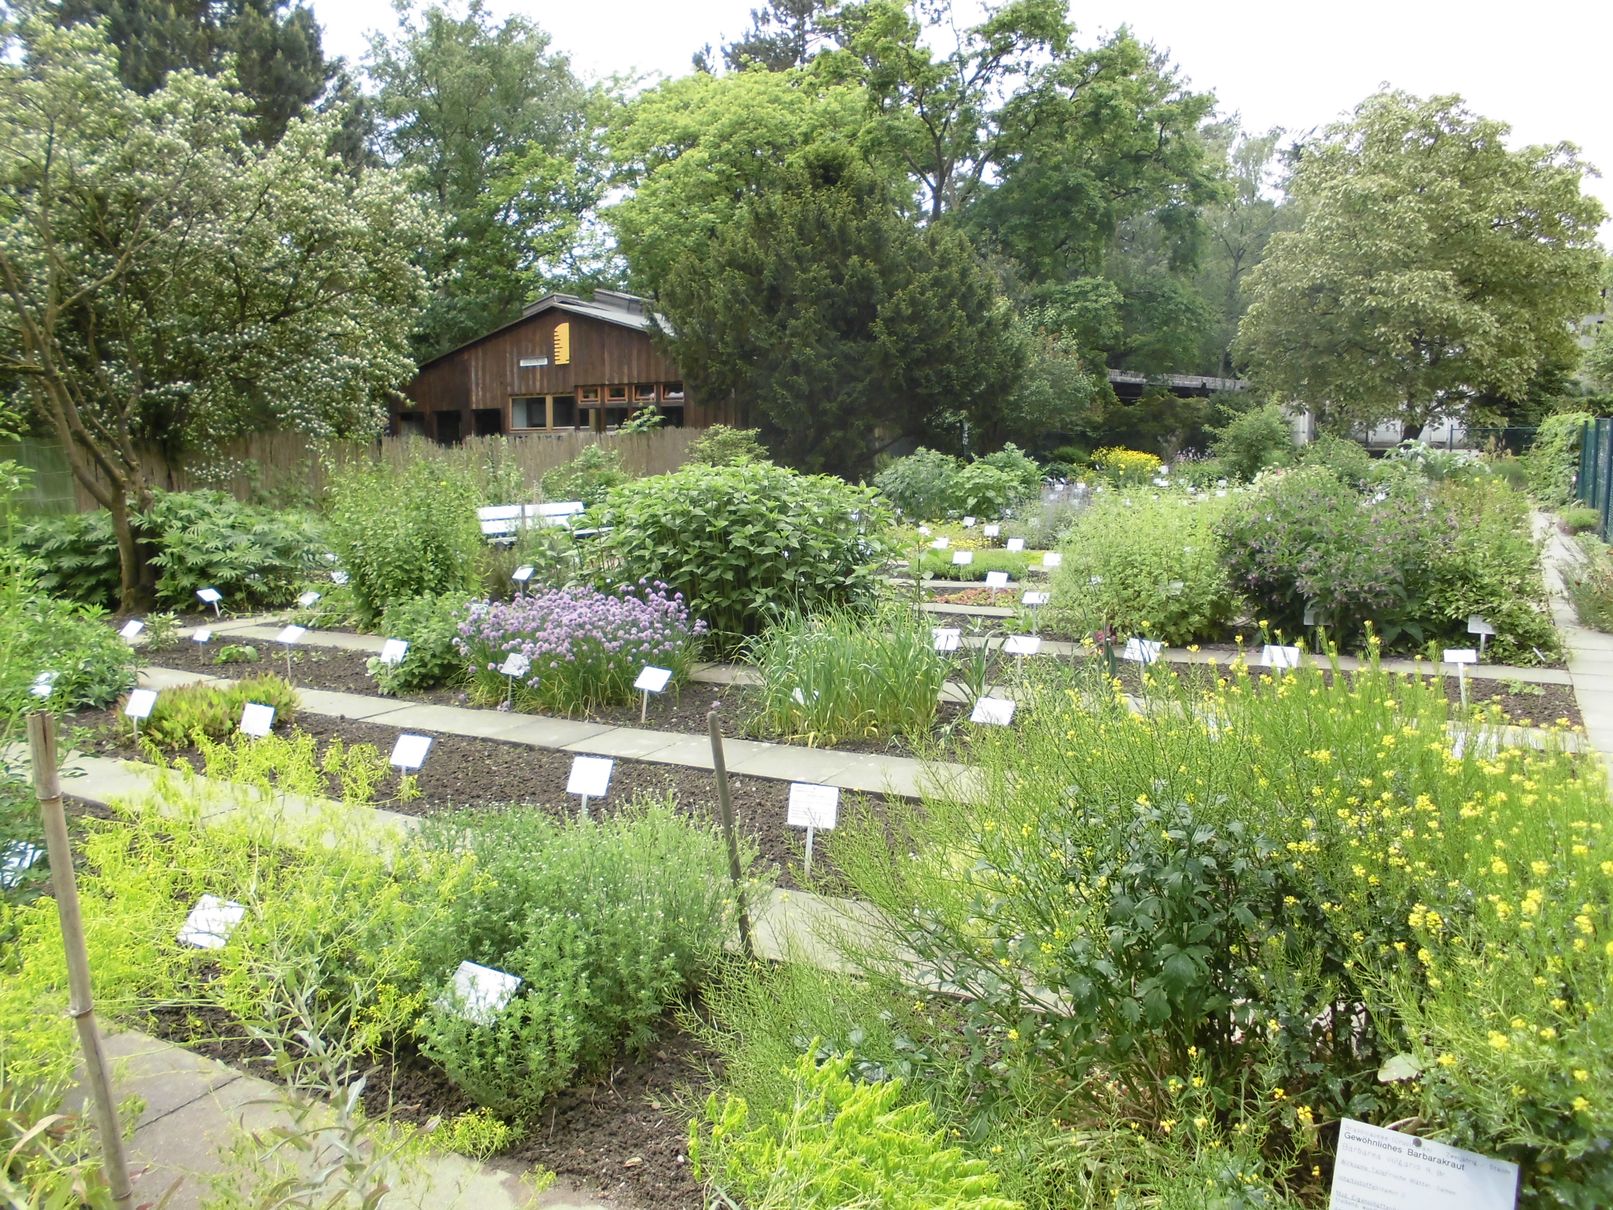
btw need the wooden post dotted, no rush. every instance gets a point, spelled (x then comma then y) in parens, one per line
(725, 806)
(42, 745)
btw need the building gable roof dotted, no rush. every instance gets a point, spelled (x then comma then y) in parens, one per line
(610, 306)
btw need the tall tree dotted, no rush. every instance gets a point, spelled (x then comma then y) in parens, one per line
(835, 323)
(783, 34)
(502, 138)
(943, 108)
(1433, 266)
(164, 281)
(274, 45)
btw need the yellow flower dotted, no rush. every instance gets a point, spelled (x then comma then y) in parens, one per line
(1278, 1094)
(1446, 1060)
(1013, 1035)
(1581, 1105)
(1499, 1041)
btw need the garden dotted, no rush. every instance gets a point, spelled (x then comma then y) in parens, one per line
(1163, 817)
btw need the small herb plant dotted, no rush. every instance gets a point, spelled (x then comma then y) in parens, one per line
(213, 711)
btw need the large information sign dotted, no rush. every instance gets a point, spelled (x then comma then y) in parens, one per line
(1378, 1169)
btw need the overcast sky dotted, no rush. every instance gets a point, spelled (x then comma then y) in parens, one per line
(1543, 70)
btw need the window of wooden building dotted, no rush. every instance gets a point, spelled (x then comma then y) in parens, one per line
(615, 394)
(587, 394)
(644, 392)
(672, 392)
(543, 412)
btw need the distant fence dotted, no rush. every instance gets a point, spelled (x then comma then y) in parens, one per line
(1594, 487)
(289, 469)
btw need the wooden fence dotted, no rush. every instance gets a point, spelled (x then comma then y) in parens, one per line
(288, 469)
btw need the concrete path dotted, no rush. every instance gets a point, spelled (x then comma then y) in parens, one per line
(1590, 652)
(195, 1108)
(864, 773)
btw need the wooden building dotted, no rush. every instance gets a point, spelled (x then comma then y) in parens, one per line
(567, 363)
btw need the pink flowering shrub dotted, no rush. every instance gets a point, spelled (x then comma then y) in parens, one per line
(586, 647)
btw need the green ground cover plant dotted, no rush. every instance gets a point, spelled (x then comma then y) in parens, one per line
(403, 533)
(1139, 563)
(843, 675)
(1249, 897)
(939, 565)
(1579, 519)
(213, 711)
(430, 625)
(746, 543)
(1590, 587)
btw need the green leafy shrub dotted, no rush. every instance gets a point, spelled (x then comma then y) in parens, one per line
(404, 533)
(1135, 564)
(745, 543)
(1016, 462)
(607, 922)
(1253, 440)
(1347, 459)
(429, 625)
(1552, 462)
(843, 1142)
(1590, 587)
(983, 490)
(39, 634)
(214, 710)
(843, 675)
(1435, 462)
(203, 539)
(720, 445)
(921, 484)
(550, 550)
(588, 477)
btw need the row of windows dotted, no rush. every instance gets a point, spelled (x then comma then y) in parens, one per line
(570, 411)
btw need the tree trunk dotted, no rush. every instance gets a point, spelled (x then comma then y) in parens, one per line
(137, 574)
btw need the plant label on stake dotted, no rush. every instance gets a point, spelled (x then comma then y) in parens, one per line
(968, 523)
(962, 558)
(409, 753)
(941, 543)
(1377, 1167)
(256, 719)
(946, 638)
(308, 599)
(1033, 601)
(1015, 544)
(590, 778)
(1310, 613)
(1022, 644)
(1481, 627)
(210, 596)
(1461, 657)
(996, 580)
(1051, 559)
(1276, 655)
(211, 922)
(289, 637)
(992, 711)
(338, 578)
(650, 680)
(131, 629)
(991, 531)
(515, 666)
(139, 706)
(812, 807)
(522, 574)
(44, 684)
(479, 993)
(16, 859)
(393, 651)
(201, 635)
(1141, 651)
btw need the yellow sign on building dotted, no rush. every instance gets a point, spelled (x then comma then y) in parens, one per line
(562, 344)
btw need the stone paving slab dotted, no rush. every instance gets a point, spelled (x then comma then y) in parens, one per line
(172, 678)
(347, 705)
(784, 762)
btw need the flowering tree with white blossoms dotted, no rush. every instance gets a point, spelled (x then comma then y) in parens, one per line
(164, 282)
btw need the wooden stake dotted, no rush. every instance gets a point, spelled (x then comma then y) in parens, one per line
(42, 746)
(725, 806)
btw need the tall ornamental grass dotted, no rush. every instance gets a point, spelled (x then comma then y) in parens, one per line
(843, 675)
(585, 647)
(1290, 898)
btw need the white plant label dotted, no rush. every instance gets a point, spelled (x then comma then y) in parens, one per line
(1461, 655)
(925, 530)
(941, 543)
(480, 993)
(338, 578)
(1015, 544)
(409, 753)
(1310, 615)
(968, 523)
(653, 679)
(16, 858)
(393, 651)
(1051, 560)
(210, 923)
(799, 698)
(1033, 599)
(523, 573)
(1477, 625)
(1378, 1169)
(1094, 580)
(201, 635)
(945, 638)
(132, 628)
(1220, 491)
(996, 579)
(1141, 651)
(590, 776)
(308, 599)
(43, 684)
(1485, 743)
(140, 703)
(256, 719)
(1276, 655)
(993, 711)
(813, 806)
(1022, 644)
(291, 635)
(991, 531)
(962, 558)
(515, 664)
(209, 596)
